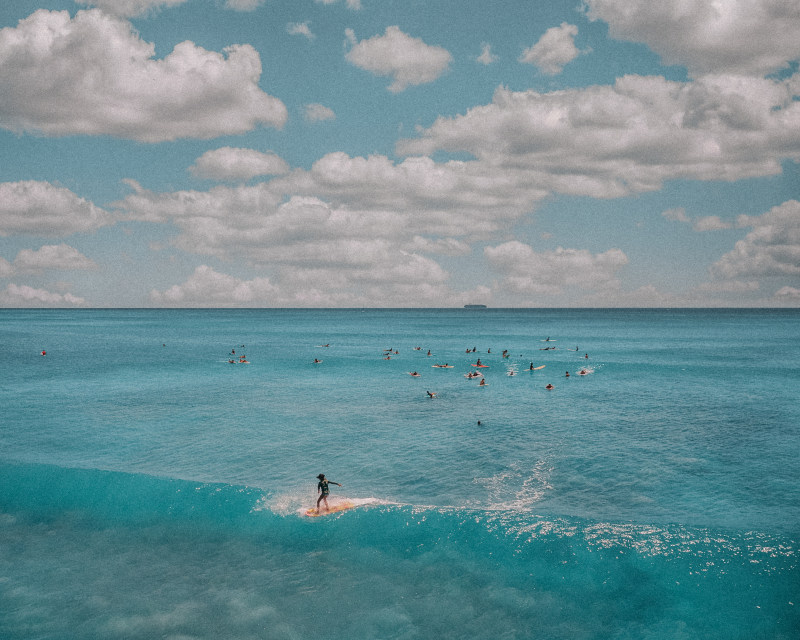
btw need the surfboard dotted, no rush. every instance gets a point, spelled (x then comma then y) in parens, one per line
(442, 366)
(335, 508)
(541, 366)
(483, 366)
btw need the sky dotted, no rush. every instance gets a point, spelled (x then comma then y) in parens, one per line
(399, 153)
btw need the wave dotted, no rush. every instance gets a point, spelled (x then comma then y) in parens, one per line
(231, 561)
(110, 498)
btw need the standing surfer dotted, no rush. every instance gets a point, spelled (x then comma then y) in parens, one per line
(323, 490)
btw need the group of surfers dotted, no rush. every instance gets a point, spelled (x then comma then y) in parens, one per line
(388, 353)
(242, 358)
(476, 374)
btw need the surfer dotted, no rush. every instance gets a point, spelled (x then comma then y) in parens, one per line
(323, 490)
(549, 386)
(430, 395)
(567, 376)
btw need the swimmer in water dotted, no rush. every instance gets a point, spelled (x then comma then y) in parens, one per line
(549, 386)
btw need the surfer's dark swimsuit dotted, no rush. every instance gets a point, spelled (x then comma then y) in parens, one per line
(323, 484)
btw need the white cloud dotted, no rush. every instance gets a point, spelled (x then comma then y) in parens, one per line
(243, 5)
(130, 8)
(486, 57)
(318, 113)
(25, 296)
(710, 223)
(414, 206)
(93, 75)
(206, 287)
(708, 36)
(676, 215)
(237, 165)
(6, 270)
(554, 49)
(771, 249)
(42, 209)
(609, 141)
(728, 286)
(54, 256)
(299, 29)
(707, 223)
(397, 279)
(354, 5)
(788, 293)
(408, 60)
(525, 271)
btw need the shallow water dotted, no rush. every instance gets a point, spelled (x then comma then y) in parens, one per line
(152, 489)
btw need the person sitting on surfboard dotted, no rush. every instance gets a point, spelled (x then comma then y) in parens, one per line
(323, 490)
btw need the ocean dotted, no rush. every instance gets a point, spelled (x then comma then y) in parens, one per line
(152, 486)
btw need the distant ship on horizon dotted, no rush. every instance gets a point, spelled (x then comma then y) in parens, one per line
(474, 306)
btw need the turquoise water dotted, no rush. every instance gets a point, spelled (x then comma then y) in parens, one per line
(150, 489)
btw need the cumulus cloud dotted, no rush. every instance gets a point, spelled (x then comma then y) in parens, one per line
(243, 5)
(487, 57)
(355, 5)
(676, 215)
(408, 60)
(609, 141)
(318, 112)
(343, 212)
(6, 269)
(710, 223)
(707, 223)
(788, 293)
(525, 271)
(93, 75)
(770, 249)
(54, 256)
(130, 8)
(208, 287)
(27, 297)
(299, 29)
(728, 286)
(367, 228)
(554, 49)
(42, 209)
(752, 37)
(237, 165)
(398, 279)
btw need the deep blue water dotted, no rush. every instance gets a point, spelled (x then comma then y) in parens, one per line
(149, 489)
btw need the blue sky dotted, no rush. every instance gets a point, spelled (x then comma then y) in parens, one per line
(387, 153)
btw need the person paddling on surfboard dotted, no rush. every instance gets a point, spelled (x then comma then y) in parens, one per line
(323, 490)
